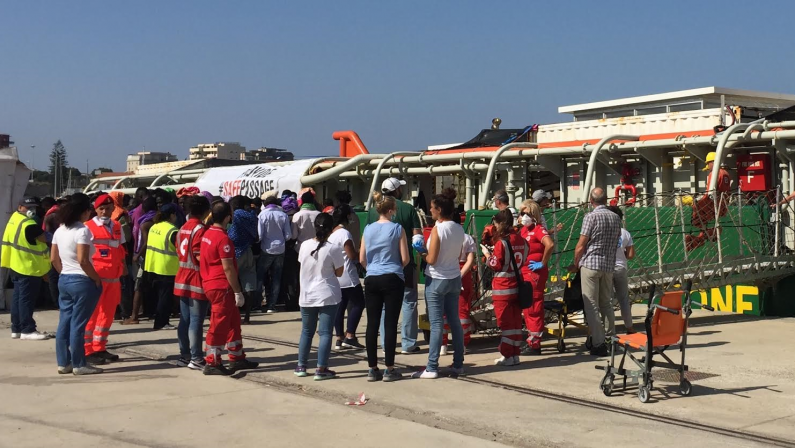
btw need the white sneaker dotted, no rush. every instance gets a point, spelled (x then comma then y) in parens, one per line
(65, 370)
(197, 365)
(15, 335)
(443, 351)
(516, 360)
(87, 370)
(425, 375)
(35, 336)
(503, 361)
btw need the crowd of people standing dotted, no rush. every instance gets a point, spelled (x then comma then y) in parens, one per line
(187, 254)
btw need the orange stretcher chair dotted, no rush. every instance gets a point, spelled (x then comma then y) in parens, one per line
(666, 326)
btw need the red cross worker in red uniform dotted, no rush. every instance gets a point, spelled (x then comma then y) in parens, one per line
(109, 262)
(535, 271)
(193, 304)
(704, 210)
(505, 288)
(218, 269)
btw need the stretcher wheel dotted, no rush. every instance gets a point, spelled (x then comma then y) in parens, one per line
(607, 384)
(588, 343)
(426, 334)
(685, 388)
(561, 346)
(644, 393)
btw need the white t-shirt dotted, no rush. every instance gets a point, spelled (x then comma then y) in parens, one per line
(319, 284)
(623, 243)
(67, 239)
(350, 278)
(468, 248)
(451, 240)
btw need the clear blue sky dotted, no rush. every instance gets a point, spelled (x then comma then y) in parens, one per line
(109, 78)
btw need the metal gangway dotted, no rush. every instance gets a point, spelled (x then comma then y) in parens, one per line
(750, 242)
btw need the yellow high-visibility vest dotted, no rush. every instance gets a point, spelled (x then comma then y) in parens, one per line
(161, 255)
(19, 255)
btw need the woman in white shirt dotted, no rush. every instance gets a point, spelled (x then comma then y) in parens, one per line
(443, 284)
(79, 285)
(625, 251)
(352, 292)
(321, 265)
(467, 262)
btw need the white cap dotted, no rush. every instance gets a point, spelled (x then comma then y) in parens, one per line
(391, 184)
(539, 195)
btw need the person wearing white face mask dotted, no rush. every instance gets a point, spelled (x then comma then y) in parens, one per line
(535, 271)
(108, 260)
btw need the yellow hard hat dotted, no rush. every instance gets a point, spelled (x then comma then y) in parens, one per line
(710, 158)
(687, 200)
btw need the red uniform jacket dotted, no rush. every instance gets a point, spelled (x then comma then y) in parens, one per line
(504, 286)
(188, 282)
(108, 259)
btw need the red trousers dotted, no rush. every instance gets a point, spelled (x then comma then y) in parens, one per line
(509, 318)
(224, 329)
(464, 306)
(98, 327)
(534, 316)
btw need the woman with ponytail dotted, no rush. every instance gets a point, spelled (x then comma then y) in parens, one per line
(352, 292)
(505, 295)
(321, 265)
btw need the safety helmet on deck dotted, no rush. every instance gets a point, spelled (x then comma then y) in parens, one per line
(710, 158)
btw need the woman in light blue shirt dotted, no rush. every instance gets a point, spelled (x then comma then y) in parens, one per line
(384, 253)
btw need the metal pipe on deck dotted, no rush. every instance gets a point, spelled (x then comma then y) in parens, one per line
(777, 221)
(684, 230)
(719, 154)
(377, 173)
(592, 162)
(444, 169)
(494, 158)
(740, 218)
(659, 240)
(335, 171)
(768, 125)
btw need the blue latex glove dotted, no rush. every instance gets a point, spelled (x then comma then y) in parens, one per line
(535, 265)
(418, 244)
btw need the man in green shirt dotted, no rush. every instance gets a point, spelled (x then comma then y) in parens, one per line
(407, 217)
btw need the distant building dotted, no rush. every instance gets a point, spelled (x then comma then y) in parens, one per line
(5, 141)
(148, 158)
(218, 150)
(99, 171)
(267, 155)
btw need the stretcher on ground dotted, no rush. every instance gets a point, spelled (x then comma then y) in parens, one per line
(563, 310)
(666, 325)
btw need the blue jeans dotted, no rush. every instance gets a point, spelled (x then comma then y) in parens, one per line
(310, 316)
(409, 324)
(191, 324)
(271, 265)
(23, 300)
(441, 299)
(78, 298)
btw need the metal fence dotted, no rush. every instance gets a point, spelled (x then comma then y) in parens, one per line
(712, 239)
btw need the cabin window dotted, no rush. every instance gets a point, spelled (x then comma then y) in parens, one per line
(685, 106)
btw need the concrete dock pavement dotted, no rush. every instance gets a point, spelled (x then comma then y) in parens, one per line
(743, 395)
